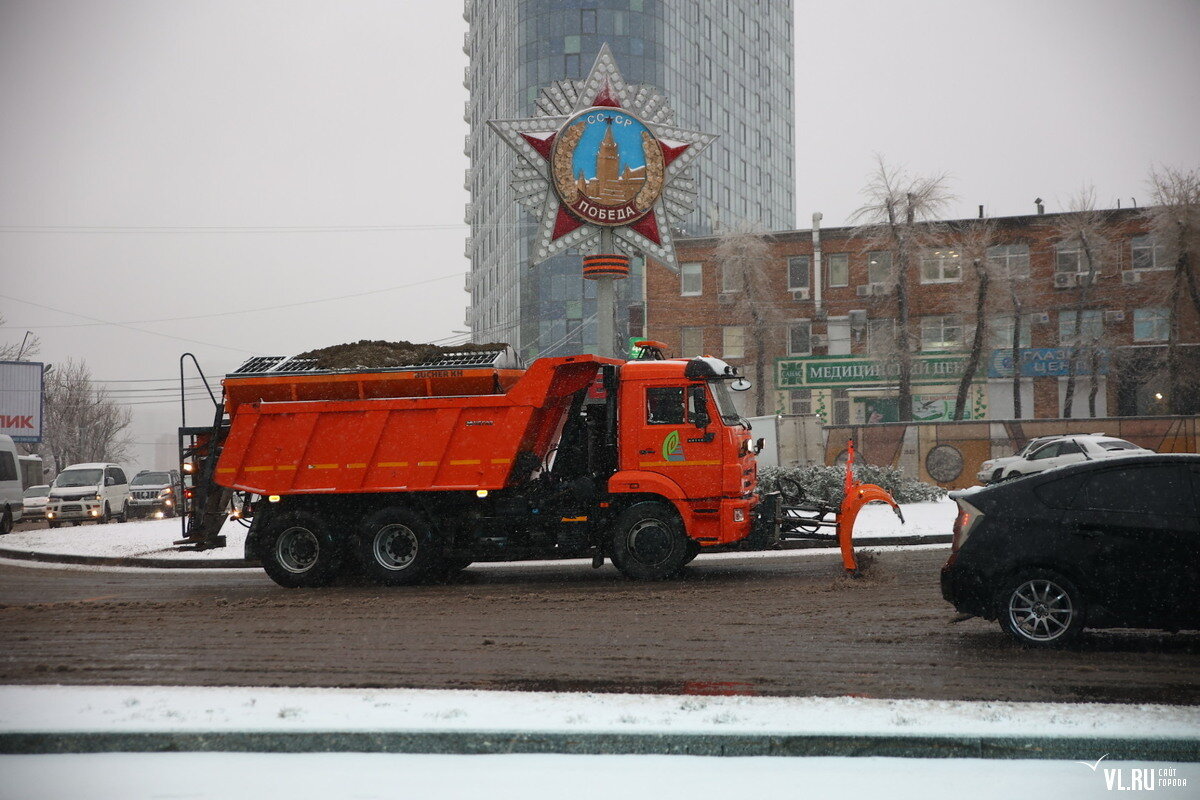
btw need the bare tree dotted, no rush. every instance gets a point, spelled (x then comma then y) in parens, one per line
(80, 422)
(1086, 251)
(742, 257)
(1175, 223)
(975, 240)
(891, 220)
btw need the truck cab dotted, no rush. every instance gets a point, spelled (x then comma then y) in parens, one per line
(683, 439)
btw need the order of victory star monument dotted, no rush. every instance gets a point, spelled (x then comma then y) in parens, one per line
(603, 169)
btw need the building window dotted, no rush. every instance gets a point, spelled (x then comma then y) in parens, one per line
(691, 280)
(1091, 326)
(841, 407)
(587, 20)
(731, 278)
(839, 269)
(881, 336)
(733, 341)
(1000, 332)
(941, 332)
(800, 401)
(691, 342)
(1151, 324)
(571, 65)
(941, 265)
(798, 270)
(1009, 260)
(1148, 253)
(1069, 257)
(879, 267)
(800, 338)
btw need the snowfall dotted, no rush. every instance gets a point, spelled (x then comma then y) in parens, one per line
(149, 710)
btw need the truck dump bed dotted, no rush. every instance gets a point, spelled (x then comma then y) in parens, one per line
(410, 429)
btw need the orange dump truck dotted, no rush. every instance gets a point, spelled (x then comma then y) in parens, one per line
(413, 472)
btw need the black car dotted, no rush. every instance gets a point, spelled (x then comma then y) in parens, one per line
(1102, 544)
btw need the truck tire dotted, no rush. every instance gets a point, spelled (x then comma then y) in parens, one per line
(6, 521)
(397, 547)
(649, 543)
(297, 550)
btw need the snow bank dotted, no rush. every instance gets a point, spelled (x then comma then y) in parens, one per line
(152, 538)
(33, 709)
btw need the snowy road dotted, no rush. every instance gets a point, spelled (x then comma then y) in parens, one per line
(786, 625)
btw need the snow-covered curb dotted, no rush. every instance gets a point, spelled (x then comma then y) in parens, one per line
(151, 539)
(82, 709)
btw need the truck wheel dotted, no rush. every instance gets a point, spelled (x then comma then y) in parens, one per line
(105, 516)
(649, 542)
(397, 547)
(298, 551)
(6, 521)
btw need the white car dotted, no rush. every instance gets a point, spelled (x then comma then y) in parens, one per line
(35, 500)
(993, 469)
(1063, 450)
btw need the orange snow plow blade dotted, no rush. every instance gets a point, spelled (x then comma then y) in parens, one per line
(855, 497)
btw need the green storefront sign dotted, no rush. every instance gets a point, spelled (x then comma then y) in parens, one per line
(834, 371)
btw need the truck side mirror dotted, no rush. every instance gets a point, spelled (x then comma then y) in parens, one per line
(700, 407)
(110, 481)
(759, 445)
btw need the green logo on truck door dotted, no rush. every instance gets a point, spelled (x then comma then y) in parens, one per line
(671, 449)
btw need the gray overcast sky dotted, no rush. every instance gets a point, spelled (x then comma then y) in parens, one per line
(139, 141)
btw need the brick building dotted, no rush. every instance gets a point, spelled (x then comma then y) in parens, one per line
(820, 320)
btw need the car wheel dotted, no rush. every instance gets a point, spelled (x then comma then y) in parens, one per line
(6, 521)
(298, 551)
(649, 542)
(53, 524)
(124, 515)
(105, 516)
(996, 476)
(398, 547)
(1041, 608)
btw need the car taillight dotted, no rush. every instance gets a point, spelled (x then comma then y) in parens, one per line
(968, 517)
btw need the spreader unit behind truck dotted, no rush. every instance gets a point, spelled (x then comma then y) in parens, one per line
(412, 473)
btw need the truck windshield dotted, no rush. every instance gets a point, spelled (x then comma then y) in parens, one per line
(725, 407)
(77, 477)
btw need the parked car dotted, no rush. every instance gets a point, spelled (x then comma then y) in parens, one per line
(1112, 542)
(35, 500)
(84, 492)
(992, 469)
(155, 493)
(12, 505)
(1059, 451)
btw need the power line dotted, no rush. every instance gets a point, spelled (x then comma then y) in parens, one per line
(128, 327)
(227, 228)
(247, 310)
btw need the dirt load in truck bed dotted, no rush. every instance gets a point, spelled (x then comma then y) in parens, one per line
(378, 354)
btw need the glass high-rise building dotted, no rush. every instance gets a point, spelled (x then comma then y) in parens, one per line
(726, 68)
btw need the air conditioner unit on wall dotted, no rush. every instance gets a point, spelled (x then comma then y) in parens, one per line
(725, 298)
(864, 290)
(1064, 280)
(1114, 316)
(799, 294)
(879, 289)
(1129, 277)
